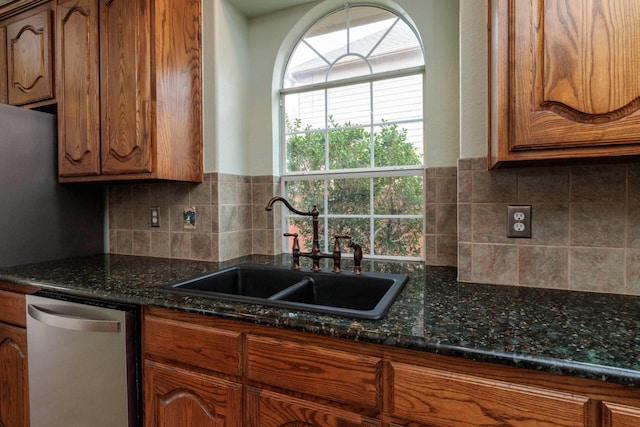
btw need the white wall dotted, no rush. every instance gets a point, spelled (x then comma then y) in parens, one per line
(474, 113)
(226, 85)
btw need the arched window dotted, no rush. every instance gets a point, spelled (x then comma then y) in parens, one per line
(352, 131)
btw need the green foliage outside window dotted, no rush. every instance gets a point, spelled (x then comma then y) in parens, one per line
(349, 147)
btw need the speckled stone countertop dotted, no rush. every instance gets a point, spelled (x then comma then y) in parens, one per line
(589, 335)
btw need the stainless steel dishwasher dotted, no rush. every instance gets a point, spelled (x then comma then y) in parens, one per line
(84, 368)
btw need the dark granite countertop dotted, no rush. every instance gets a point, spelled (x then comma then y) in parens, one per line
(589, 335)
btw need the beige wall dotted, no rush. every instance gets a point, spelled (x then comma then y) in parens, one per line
(249, 59)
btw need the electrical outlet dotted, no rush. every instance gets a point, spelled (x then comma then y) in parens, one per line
(519, 221)
(154, 217)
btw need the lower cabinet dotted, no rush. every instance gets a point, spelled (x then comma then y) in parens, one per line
(205, 371)
(179, 397)
(14, 382)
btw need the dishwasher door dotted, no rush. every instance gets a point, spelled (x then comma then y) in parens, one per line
(82, 363)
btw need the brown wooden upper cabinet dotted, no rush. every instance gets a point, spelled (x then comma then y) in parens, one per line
(29, 57)
(129, 95)
(564, 79)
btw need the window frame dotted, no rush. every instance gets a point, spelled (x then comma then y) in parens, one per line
(371, 172)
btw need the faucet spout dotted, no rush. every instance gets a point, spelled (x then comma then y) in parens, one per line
(270, 203)
(315, 254)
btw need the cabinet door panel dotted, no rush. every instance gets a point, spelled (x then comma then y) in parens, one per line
(268, 409)
(564, 79)
(78, 88)
(125, 82)
(176, 398)
(29, 59)
(449, 399)
(585, 75)
(14, 402)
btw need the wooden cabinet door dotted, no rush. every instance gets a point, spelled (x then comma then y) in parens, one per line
(565, 75)
(3, 66)
(177, 397)
(269, 409)
(14, 395)
(29, 58)
(125, 86)
(78, 87)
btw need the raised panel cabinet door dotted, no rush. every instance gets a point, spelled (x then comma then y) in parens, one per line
(177, 397)
(3, 66)
(125, 86)
(29, 59)
(269, 409)
(78, 88)
(178, 87)
(566, 78)
(614, 415)
(14, 395)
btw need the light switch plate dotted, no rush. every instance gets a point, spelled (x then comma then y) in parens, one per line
(519, 221)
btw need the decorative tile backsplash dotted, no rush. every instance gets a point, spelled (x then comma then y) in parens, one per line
(223, 218)
(230, 219)
(585, 231)
(441, 235)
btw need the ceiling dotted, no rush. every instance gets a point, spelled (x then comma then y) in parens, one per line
(255, 8)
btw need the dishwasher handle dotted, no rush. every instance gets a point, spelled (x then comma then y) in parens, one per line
(64, 321)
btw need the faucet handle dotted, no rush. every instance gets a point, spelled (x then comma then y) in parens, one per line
(357, 257)
(295, 250)
(336, 252)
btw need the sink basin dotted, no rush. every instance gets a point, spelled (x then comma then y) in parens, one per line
(366, 296)
(243, 281)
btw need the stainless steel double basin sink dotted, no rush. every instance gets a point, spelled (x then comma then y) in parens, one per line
(364, 296)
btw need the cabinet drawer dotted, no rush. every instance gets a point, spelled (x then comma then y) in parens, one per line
(450, 399)
(200, 346)
(315, 370)
(13, 309)
(614, 415)
(269, 409)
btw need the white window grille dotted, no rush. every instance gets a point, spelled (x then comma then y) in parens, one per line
(352, 132)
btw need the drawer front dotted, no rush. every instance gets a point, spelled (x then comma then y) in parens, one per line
(200, 346)
(13, 309)
(450, 399)
(614, 415)
(269, 409)
(315, 370)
